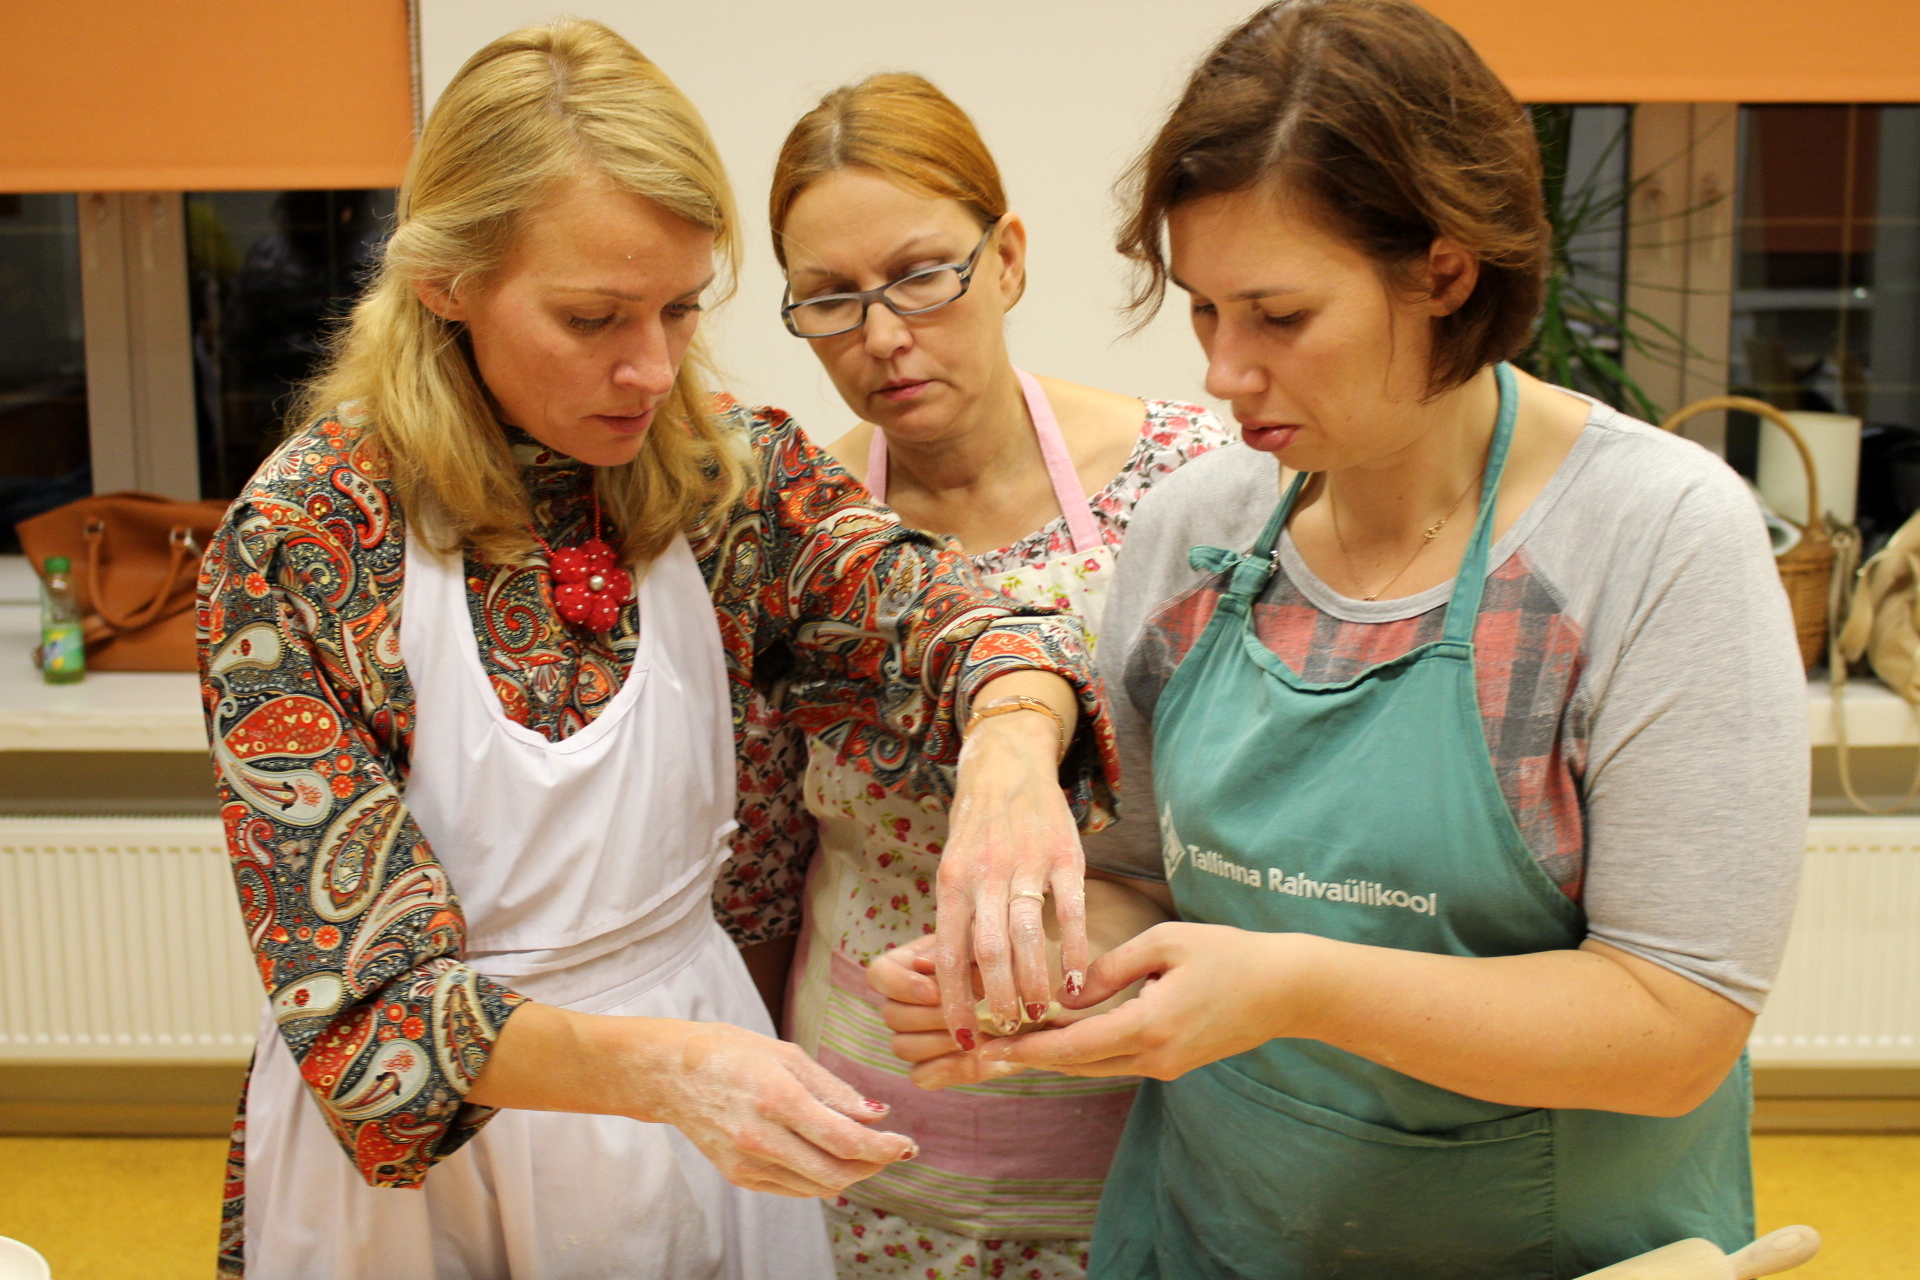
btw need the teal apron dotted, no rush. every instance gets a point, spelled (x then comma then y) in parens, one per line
(1368, 810)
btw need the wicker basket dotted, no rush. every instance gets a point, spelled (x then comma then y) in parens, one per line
(1806, 570)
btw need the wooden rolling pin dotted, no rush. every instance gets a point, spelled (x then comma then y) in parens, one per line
(1771, 1254)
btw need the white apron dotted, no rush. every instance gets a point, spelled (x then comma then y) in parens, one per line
(584, 868)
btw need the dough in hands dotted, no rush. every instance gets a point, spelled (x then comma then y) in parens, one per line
(994, 1027)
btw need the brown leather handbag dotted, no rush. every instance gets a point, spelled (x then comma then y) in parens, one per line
(136, 557)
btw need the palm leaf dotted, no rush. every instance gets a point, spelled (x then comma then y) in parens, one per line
(1581, 332)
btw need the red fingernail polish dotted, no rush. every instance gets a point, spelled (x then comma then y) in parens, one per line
(913, 1151)
(965, 1037)
(1075, 981)
(1036, 1011)
(871, 1105)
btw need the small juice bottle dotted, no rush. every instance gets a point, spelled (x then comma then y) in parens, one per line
(63, 646)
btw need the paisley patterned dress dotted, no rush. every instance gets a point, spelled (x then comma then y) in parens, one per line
(878, 636)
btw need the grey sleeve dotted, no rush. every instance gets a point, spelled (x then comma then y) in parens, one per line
(1696, 777)
(1220, 499)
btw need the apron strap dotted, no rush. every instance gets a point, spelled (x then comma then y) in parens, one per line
(1060, 469)
(1084, 529)
(1252, 571)
(877, 465)
(1463, 607)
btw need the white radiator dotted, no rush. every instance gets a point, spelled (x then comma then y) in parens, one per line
(120, 939)
(1849, 992)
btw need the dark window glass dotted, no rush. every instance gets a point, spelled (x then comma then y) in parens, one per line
(1826, 304)
(269, 272)
(43, 360)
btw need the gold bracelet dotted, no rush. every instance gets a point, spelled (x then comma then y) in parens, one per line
(1021, 702)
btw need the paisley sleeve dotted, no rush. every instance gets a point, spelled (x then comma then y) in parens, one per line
(355, 930)
(757, 895)
(891, 633)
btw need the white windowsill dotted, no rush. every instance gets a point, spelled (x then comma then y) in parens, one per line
(160, 711)
(1876, 715)
(107, 711)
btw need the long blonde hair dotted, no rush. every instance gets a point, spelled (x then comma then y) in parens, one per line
(528, 111)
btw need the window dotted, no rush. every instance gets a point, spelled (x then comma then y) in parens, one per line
(269, 272)
(1826, 302)
(43, 368)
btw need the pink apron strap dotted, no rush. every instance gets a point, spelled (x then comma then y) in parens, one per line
(1053, 448)
(877, 466)
(1066, 481)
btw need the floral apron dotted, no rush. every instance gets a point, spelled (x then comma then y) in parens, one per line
(1020, 1158)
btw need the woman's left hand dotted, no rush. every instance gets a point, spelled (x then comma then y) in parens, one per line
(1011, 841)
(1209, 992)
(904, 976)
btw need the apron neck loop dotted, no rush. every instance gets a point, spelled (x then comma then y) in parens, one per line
(877, 465)
(1257, 566)
(1060, 468)
(1084, 529)
(1463, 607)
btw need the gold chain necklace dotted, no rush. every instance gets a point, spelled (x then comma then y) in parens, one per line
(1431, 532)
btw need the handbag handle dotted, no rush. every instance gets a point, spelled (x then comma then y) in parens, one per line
(1747, 404)
(182, 553)
(1837, 683)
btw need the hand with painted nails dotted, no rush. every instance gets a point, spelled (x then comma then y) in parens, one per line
(1206, 992)
(905, 977)
(1012, 851)
(768, 1116)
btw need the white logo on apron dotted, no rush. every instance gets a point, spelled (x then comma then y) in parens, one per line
(1365, 893)
(1172, 852)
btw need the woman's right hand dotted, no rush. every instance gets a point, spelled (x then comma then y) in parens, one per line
(768, 1116)
(906, 978)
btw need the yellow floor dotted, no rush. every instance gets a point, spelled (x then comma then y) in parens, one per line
(107, 1208)
(1860, 1191)
(148, 1208)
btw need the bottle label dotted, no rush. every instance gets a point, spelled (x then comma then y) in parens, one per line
(63, 649)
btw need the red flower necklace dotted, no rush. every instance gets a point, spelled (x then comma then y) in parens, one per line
(589, 584)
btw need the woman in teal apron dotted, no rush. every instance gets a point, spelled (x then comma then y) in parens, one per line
(1383, 1040)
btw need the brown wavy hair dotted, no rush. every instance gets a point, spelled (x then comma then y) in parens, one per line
(1394, 133)
(900, 126)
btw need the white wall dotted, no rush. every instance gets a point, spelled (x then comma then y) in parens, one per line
(1065, 92)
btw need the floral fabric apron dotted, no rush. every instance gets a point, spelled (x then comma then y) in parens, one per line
(1018, 1158)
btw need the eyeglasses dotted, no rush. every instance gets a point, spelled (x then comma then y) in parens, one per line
(913, 294)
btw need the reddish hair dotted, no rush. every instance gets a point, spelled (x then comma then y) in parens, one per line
(899, 126)
(1388, 125)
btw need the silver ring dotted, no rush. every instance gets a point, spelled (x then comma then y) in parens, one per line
(1035, 894)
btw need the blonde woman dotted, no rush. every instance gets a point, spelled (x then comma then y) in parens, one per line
(477, 639)
(903, 259)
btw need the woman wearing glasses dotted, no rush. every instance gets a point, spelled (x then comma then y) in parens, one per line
(902, 261)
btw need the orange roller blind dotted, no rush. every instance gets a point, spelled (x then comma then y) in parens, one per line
(1697, 50)
(203, 95)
